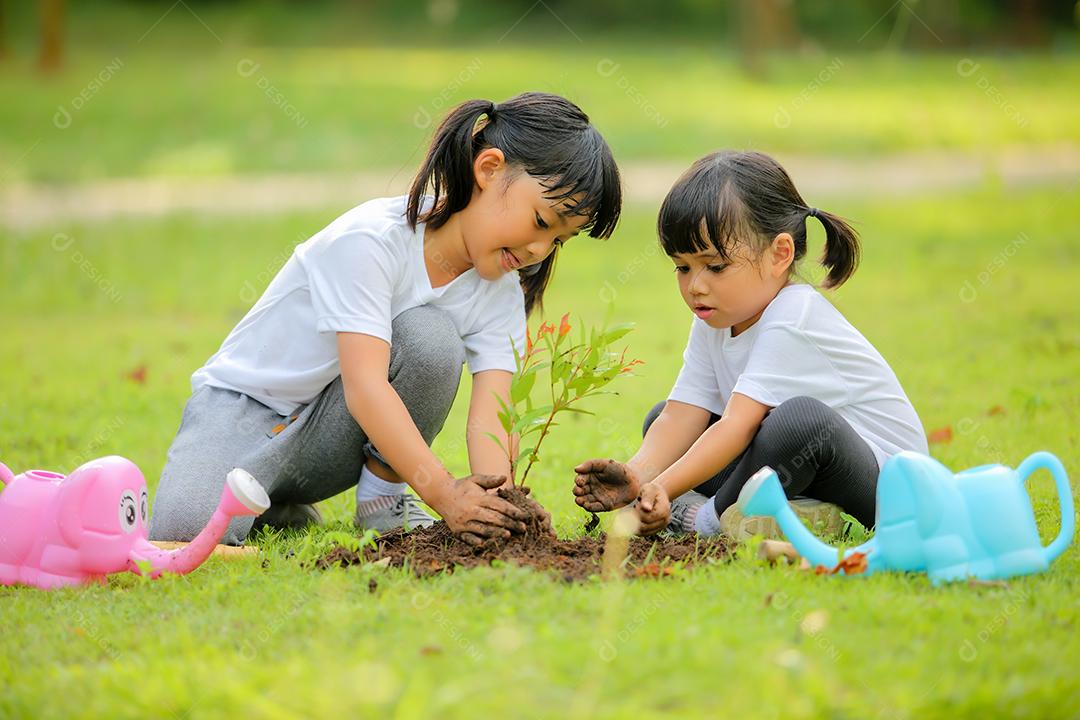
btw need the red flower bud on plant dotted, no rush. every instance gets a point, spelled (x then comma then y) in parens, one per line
(564, 326)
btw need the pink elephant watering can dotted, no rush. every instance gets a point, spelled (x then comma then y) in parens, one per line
(60, 530)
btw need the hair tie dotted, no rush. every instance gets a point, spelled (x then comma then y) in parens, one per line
(812, 212)
(484, 119)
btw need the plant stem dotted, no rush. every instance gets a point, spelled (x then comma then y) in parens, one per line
(555, 407)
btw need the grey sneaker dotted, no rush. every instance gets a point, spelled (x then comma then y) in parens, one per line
(821, 517)
(391, 512)
(684, 510)
(294, 516)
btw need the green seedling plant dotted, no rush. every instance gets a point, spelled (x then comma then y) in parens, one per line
(575, 371)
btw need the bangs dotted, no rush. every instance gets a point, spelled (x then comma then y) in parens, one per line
(587, 182)
(701, 212)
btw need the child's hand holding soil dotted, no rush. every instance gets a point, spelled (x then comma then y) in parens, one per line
(475, 515)
(653, 508)
(541, 516)
(603, 485)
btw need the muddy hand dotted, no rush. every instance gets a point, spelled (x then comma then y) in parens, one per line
(538, 511)
(603, 485)
(475, 515)
(653, 508)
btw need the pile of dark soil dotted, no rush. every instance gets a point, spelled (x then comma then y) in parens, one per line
(432, 550)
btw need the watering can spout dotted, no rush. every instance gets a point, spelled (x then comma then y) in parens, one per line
(242, 495)
(763, 495)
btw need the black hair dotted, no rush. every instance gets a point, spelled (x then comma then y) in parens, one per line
(546, 135)
(729, 197)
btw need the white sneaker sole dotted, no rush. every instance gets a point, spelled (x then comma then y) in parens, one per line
(821, 517)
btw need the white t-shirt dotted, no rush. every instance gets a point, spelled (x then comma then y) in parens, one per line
(356, 275)
(802, 346)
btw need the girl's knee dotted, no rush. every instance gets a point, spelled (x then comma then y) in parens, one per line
(650, 417)
(428, 338)
(801, 411)
(800, 418)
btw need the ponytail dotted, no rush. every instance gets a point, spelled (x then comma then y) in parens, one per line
(548, 137)
(447, 169)
(841, 254)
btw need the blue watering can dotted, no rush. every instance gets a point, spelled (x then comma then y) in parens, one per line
(976, 523)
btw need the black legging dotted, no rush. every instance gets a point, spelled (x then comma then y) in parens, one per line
(813, 450)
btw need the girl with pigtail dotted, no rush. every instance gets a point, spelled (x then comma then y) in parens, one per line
(345, 369)
(772, 374)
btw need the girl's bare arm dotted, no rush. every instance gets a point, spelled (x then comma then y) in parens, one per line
(485, 456)
(716, 447)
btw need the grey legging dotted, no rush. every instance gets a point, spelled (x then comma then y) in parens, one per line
(310, 455)
(815, 452)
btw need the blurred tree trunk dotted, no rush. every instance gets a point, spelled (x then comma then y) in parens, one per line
(1030, 23)
(764, 25)
(52, 34)
(3, 33)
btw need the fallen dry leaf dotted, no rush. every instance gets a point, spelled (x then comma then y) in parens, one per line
(940, 435)
(996, 410)
(653, 570)
(138, 375)
(853, 564)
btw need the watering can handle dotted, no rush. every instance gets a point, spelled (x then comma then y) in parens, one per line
(1039, 460)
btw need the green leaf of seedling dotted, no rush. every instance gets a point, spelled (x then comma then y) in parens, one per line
(579, 382)
(534, 418)
(617, 332)
(522, 386)
(497, 442)
(526, 453)
(507, 414)
(517, 356)
(560, 368)
(506, 421)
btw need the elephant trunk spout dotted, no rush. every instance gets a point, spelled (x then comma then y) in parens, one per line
(242, 495)
(763, 495)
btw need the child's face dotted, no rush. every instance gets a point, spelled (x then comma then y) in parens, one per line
(509, 224)
(732, 295)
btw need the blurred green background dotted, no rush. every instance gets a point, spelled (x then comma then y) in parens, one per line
(211, 88)
(159, 161)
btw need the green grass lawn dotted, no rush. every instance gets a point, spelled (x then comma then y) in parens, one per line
(971, 297)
